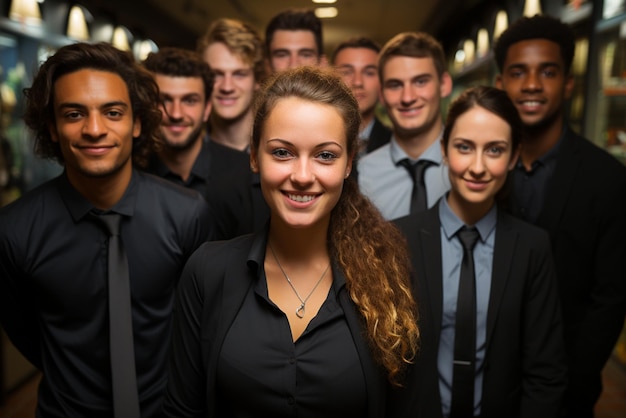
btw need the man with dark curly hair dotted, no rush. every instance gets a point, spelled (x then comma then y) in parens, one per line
(574, 190)
(94, 110)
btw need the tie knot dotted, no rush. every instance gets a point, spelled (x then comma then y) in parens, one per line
(468, 237)
(415, 168)
(110, 222)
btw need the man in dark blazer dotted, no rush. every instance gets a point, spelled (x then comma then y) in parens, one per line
(523, 367)
(575, 191)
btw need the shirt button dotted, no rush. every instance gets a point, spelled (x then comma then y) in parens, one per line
(292, 360)
(291, 400)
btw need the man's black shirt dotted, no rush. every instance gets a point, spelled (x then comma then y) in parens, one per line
(213, 161)
(53, 287)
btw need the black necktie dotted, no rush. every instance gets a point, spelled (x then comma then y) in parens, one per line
(465, 331)
(123, 374)
(418, 194)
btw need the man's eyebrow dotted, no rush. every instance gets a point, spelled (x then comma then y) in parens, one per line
(66, 105)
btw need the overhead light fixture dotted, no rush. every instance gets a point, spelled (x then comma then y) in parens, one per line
(77, 24)
(469, 48)
(25, 11)
(324, 1)
(143, 48)
(502, 23)
(121, 38)
(532, 7)
(482, 43)
(326, 12)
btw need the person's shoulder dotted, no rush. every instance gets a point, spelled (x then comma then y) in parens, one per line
(525, 229)
(159, 198)
(382, 152)
(220, 150)
(166, 188)
(32, 201)
(31, 211)
(374, 161)
(416, 221)
(599, 158)
(220, 254)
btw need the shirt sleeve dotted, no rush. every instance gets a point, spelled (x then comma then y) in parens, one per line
(18, 312)
(186, 390)
(202, 226)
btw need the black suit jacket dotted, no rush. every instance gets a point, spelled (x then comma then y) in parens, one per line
(524, 372)
(585, 214)
(213, 286)
(379, 136)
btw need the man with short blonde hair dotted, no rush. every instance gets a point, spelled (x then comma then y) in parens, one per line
(234, 51)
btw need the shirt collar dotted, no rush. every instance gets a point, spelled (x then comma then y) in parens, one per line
(452, 223)
(79, 206)
(549, 156)
(200, 168)
(367, 131)
(432, 153)
(256, 259)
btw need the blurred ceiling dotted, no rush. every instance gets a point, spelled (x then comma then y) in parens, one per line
(181, 22)
(378, 19)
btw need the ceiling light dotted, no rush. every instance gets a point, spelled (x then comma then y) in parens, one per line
(502, 22)
(26, 11)
(482, 43)
(325, 1)
(326, 12)
(121, 38)
(532, 7)
(77, 24)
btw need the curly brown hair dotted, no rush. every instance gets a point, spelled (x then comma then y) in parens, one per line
(142, 90)
(371, 251)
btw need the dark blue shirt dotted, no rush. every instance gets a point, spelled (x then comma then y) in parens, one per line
(530, 186)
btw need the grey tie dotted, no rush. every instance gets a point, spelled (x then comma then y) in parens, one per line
(123, 374)
(465, 331)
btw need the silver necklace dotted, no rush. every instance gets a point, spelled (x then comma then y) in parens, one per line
(300, 312)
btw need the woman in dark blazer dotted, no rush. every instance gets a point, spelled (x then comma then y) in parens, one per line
(512, 327)
(314, 316)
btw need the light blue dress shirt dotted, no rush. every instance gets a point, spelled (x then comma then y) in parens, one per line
(452, 255)
(389, 185)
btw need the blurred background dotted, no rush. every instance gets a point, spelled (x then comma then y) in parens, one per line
(31, 30)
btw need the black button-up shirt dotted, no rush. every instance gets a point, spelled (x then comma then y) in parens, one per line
(318, 375)
(213, 163)
(529, 191)
(53, 287)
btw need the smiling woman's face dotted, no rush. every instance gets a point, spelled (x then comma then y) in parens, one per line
(303, 161)
(479, 155)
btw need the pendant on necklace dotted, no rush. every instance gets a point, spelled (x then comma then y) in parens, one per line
(300, 311)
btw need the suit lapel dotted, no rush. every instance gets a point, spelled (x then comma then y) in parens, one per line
(560, 186)
(504, 250)
(430, 239)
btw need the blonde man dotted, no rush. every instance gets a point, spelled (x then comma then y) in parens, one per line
(234, 51)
